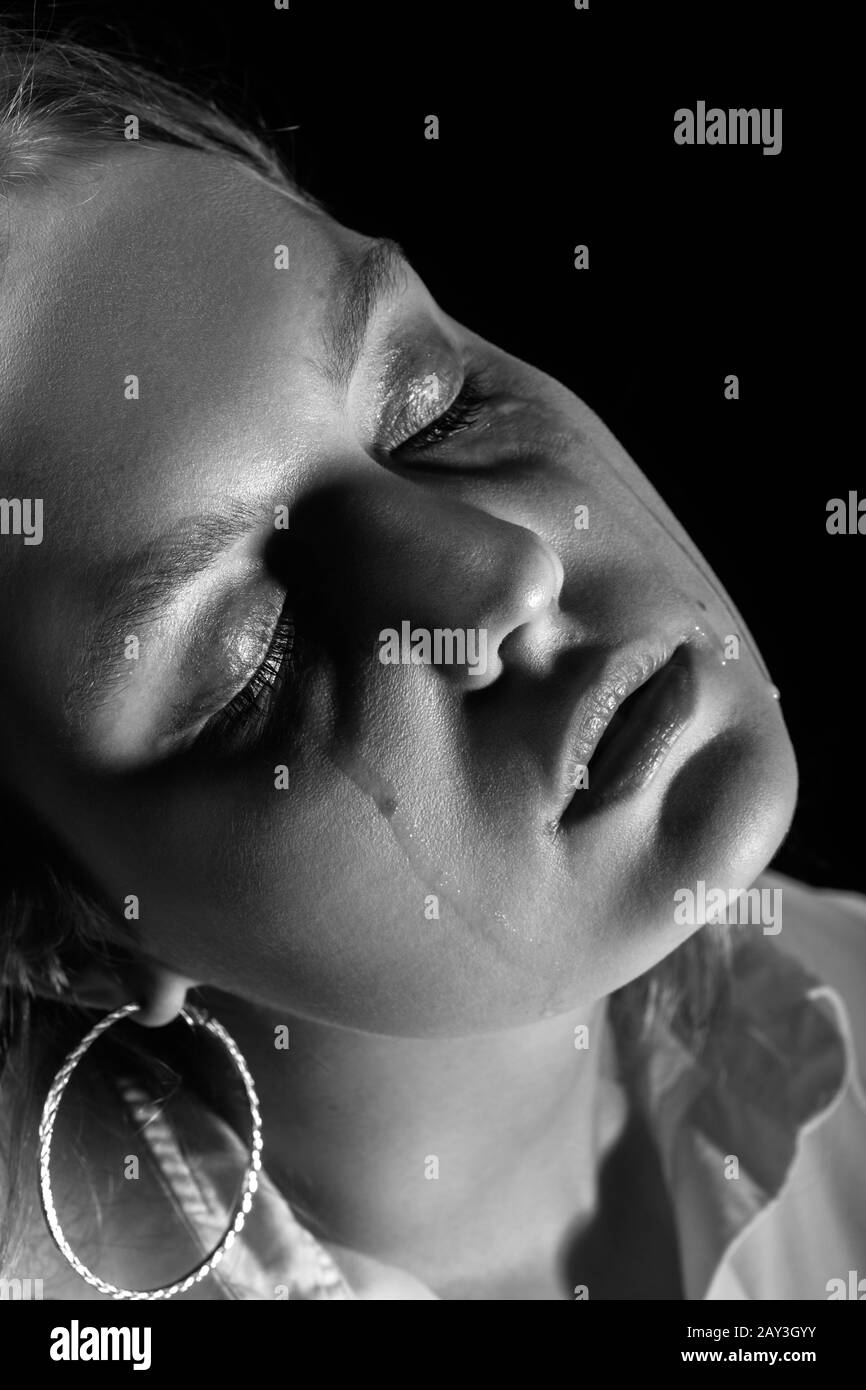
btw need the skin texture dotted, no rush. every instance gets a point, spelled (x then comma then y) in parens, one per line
(164, 265)
(307, 904)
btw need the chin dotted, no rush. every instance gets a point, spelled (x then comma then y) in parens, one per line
(719, 820)
(723, 817)
(729, 807)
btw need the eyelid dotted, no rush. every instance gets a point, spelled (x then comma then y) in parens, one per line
(260, 689)
(415, 400)
(231, 647)
(405, 373)
(464, 412)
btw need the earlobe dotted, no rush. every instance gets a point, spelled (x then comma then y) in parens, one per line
(161, 992)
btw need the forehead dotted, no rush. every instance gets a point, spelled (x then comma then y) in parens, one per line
(125, 211)
(151, 304)
(138, 227)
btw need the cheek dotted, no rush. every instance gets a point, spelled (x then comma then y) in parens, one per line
(308, 901)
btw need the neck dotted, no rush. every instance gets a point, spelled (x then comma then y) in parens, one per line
(389, 1146)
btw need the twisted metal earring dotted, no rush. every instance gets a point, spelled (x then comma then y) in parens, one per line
(192, 1017)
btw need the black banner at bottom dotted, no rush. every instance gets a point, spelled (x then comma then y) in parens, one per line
(59, 1340)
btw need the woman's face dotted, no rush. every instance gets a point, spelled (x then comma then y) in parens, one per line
(220, 429)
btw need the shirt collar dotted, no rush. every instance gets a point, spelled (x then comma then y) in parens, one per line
(728, 1119)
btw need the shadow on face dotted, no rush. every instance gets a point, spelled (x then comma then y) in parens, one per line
(356, 651)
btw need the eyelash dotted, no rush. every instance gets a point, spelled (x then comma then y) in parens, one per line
(264, 680)
(461, 415)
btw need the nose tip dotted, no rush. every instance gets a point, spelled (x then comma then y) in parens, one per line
(520, 602)
(537, 578)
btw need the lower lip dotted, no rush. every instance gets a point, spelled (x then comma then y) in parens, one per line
(641, 745)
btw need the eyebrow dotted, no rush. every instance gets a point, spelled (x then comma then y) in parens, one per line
(138, 588)
(359, 286)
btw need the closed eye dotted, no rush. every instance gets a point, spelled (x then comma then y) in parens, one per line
(464, 412)
(246, 713)
(250, 706)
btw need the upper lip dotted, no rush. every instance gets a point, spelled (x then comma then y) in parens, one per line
(621, 675)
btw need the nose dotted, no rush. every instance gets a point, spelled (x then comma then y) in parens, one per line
(386, 556)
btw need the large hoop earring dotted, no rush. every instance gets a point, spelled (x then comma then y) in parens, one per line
(193, 1017)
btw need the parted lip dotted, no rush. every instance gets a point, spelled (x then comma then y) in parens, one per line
(642, 733)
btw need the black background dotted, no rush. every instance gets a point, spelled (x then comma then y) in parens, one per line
(556, 128)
